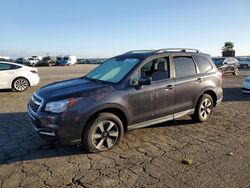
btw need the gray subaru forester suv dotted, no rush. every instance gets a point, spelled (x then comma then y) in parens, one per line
(129, 91)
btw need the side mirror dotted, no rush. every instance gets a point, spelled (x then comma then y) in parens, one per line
(145, 80)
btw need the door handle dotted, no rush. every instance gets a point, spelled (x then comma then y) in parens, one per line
(169, 87)
(199, 80)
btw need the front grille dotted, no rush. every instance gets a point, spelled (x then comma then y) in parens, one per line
(35, 103)
(34, 107)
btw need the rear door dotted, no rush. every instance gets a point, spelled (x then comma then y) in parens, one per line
(186, 81)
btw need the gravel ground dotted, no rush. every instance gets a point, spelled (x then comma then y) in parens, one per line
(148, 157)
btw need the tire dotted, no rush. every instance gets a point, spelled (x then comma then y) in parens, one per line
(203, 108)
(20, 84)
(245, 66)
(102, 133)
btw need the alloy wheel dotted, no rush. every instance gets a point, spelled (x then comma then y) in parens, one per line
(205, 108)
(21, 84)
(105, 135)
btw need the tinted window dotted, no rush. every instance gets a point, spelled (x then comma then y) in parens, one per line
(203, 64)
(15, 67)
(184, 66)
(4, 66)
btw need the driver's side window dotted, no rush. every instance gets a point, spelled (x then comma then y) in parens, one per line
(157, 69)
(141, 72)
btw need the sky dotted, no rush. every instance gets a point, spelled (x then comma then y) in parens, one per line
(105, 28)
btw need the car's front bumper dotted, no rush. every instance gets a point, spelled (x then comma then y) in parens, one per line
(59, 127)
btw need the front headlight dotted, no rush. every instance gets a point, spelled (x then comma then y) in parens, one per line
(59, 106)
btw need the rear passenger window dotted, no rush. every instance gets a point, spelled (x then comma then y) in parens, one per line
(203, 64)
(4, 66)
(184, 66)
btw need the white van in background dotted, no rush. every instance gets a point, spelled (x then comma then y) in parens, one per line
(68, 60)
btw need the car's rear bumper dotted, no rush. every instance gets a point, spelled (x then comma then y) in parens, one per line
(34, 80)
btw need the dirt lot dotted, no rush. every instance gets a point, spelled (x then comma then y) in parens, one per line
(148, 157)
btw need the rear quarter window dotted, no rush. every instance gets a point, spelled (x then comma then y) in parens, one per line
(203, 64)
(15, 67)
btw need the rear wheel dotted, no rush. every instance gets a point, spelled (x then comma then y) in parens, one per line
(203, 109)
(102, 133)
(20, 84)
(245, 66)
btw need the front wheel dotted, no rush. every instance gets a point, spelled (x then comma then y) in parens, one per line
(20, 84)
(102, 133)
(203, 109)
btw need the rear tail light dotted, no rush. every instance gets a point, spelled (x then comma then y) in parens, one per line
(34, 71)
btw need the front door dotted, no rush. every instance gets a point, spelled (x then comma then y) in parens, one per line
(156, 100)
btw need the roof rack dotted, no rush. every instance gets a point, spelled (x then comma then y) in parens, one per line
(177, 50)
(139, 51)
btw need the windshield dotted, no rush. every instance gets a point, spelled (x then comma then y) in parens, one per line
(218, 61)
(113, 70)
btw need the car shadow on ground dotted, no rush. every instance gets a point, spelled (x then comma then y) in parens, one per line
(234, 94)
(6, 90)
(20, 142)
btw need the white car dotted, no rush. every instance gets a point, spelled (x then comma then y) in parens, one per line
(17, 77)
(246, 85)
(31, 61)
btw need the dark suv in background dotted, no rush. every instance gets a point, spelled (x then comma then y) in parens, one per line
(129, 91)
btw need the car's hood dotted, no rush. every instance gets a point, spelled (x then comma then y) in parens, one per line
(78, 87)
